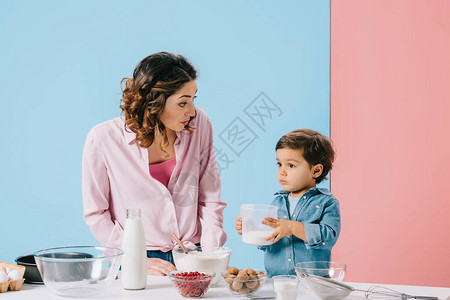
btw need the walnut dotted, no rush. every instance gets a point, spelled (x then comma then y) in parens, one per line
(242, 276)
(253, 285)
(251, 272)
(232, 271)
(236, 285)
(244, 290)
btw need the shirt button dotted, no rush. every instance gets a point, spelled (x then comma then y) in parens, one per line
(304, 197)
(323, 243)
(317, 206)
(289, 260)
(293, 216)
(285, 217)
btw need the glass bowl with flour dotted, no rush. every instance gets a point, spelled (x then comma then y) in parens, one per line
(214, 259)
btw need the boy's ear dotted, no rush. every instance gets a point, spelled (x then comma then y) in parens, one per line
(317, 170)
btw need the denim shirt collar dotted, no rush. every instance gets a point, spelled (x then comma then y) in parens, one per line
(310, 192)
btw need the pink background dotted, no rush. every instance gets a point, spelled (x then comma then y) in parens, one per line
(390, 123)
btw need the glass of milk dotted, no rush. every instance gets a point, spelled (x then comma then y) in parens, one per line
(285, 287)
(253, 231)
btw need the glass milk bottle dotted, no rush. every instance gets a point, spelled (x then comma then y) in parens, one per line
(134, 261)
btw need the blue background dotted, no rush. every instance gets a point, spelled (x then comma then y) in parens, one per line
(61, 63)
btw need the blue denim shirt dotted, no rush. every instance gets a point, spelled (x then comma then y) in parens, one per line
(319, 211)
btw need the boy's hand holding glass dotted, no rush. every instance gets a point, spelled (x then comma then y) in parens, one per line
(239, 225)
(284, 228)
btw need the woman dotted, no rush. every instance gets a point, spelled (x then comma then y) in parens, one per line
(158, 157)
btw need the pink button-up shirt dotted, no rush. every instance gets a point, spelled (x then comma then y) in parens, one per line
(115, 176)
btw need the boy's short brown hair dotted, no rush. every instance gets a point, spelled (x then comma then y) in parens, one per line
(317, 148)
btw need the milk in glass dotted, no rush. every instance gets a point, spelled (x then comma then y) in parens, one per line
(253, 231)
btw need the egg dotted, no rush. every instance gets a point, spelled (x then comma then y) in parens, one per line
(15, 275)
(3, 277)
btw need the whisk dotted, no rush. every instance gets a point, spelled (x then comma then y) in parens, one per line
(328, 289)
(381, 292)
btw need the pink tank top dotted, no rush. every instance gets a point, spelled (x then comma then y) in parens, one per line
(163, 170)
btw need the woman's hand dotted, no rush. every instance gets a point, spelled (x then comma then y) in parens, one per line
(284, 228)
(158, 266)
(239, 225)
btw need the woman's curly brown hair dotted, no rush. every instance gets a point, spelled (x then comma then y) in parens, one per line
(144, 97)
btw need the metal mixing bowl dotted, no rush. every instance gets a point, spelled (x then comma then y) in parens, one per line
(32, 274)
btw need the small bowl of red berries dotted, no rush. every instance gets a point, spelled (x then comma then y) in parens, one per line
(192, 284)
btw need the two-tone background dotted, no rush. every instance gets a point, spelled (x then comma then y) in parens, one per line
(373, 75)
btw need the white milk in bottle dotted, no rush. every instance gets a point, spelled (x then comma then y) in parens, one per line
(134, 261)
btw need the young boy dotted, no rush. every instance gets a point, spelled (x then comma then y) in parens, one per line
(309, 220)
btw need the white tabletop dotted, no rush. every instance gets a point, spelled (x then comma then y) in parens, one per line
(159, 287)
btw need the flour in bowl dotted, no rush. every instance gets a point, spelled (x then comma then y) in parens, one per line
(215, 261)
